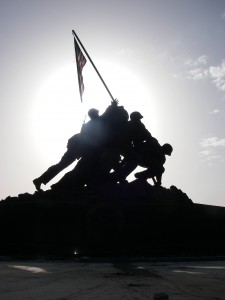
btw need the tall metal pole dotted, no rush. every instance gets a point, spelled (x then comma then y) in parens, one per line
(75, 36)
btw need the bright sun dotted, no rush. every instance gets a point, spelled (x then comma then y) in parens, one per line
(58, 112)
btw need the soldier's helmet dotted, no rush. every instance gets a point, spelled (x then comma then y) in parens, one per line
(93, 113)
(167, 149)
(135, 115)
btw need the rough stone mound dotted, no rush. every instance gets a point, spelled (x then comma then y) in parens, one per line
(133, 218)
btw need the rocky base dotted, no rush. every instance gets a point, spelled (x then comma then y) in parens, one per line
(135, 219)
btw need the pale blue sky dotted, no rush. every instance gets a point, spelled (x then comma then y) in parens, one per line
(175, 49)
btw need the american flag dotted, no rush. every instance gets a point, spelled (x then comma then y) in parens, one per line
(81, 61)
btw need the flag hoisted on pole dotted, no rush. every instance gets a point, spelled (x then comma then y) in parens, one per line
(81, 61)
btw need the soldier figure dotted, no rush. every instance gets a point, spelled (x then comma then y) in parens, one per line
(77, 145)
(153, 160)
(147, 152)
(135, 135)
(137, 131)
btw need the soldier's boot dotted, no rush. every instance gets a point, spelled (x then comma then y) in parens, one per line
(141, 175)
(37, 182)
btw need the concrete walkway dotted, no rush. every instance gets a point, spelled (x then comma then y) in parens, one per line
(67, 280)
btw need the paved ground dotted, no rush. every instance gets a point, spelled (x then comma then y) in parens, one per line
(66, 280)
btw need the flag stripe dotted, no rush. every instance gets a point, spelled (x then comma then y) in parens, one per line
(81, 61)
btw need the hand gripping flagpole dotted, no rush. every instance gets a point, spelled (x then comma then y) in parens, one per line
(76, 37)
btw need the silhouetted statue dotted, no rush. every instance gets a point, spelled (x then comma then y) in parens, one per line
(137, 131)
(147, 152)
(93, 133)
(109, 143)
(135, 136)
(77, 146)
(95, 165)
(153, 158)
(115, 116)
(115, 119)
(95, 147)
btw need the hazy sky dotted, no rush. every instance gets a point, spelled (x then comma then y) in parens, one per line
(163, 58)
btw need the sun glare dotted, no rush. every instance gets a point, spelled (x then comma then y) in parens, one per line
(58, 112)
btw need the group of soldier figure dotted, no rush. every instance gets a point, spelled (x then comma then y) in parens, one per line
(109, 147)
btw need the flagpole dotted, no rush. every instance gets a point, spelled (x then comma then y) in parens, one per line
(74, 34)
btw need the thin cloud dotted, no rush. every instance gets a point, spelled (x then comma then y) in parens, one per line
(211, 157)
(217, 74)
(215, 111)
(213, 150)
(215, 158)
(214, 73)
(166, 56)
(205, 152)
(126, 51)
(197, 74)
(212, 160)
(201, 60)
(213, 142)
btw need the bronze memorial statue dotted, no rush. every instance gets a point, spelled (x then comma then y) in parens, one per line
(100, 146)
